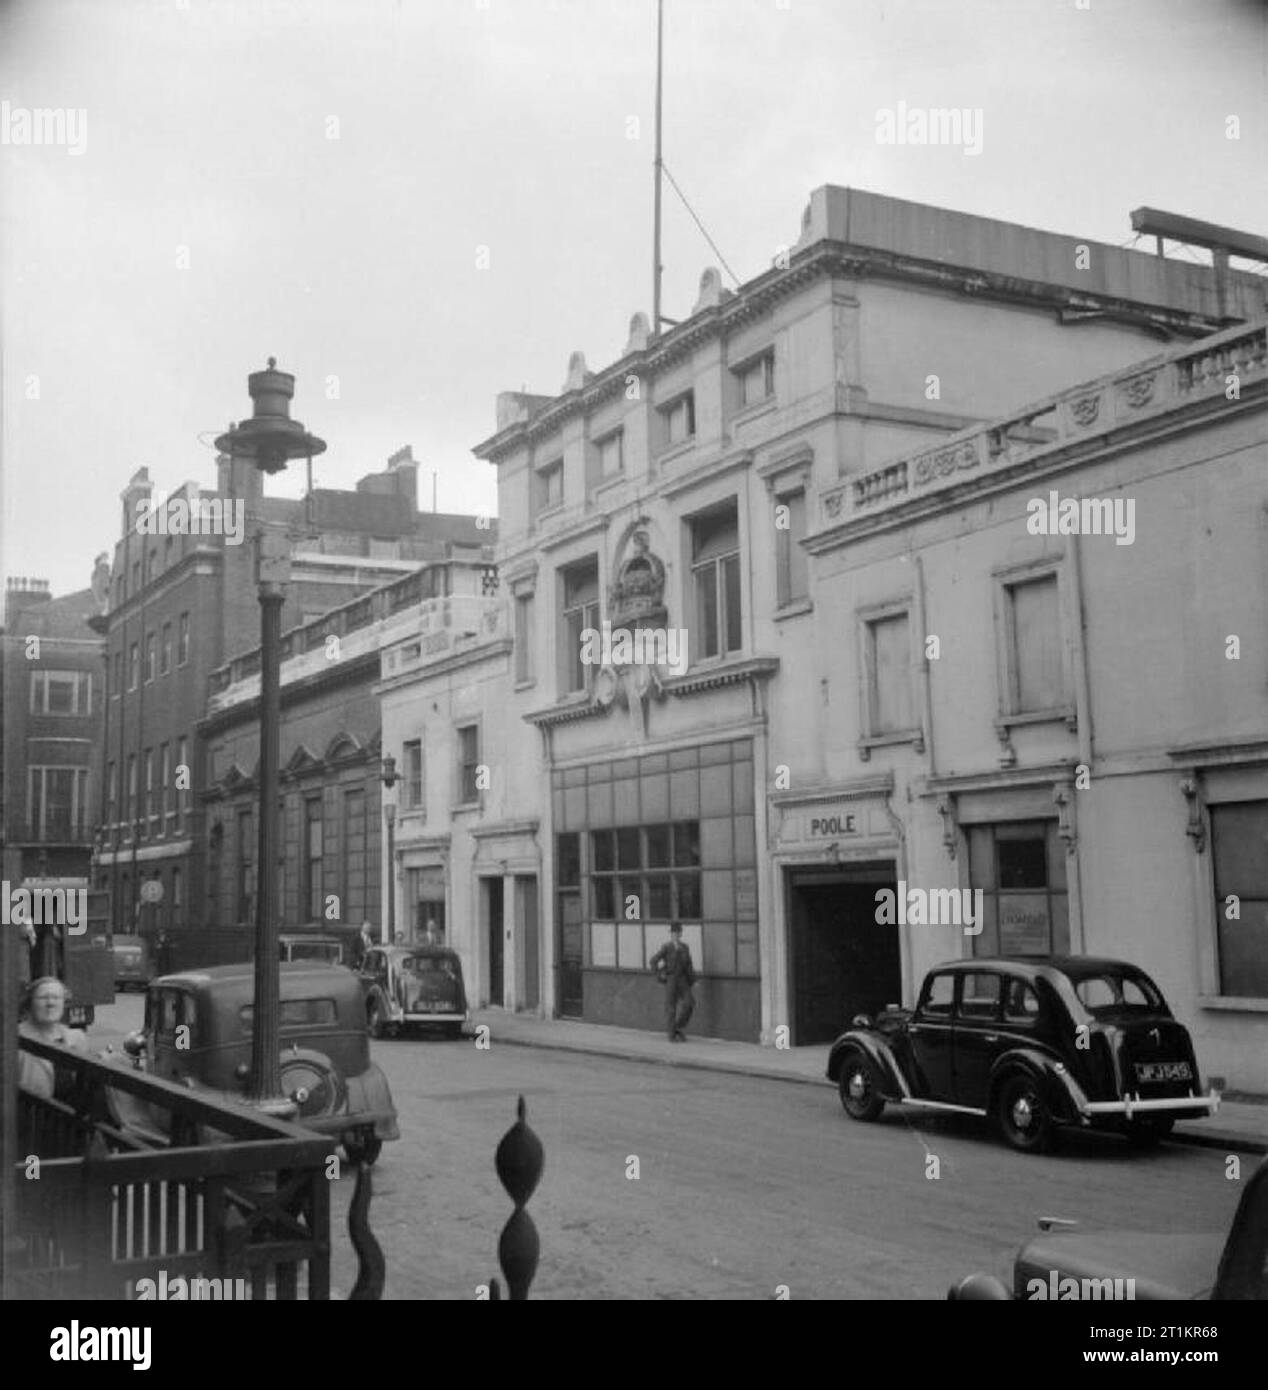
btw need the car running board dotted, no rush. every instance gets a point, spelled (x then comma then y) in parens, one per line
(941, 1105)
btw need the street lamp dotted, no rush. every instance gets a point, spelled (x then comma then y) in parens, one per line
(269, 439)
(389, 779)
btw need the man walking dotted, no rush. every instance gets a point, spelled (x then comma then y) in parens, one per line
(672, 964)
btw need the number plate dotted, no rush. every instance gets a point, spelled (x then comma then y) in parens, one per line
(1163, 1071)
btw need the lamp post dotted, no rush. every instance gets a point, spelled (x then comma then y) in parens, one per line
(269, 439)
(389, 779)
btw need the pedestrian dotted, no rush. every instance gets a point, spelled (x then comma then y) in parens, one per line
(365, 942)
(433, 936)
(46, 1005)
(673, 967)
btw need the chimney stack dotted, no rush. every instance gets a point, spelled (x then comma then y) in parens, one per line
(403, 464)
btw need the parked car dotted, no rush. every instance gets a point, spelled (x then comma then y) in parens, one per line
(413, 986)
(325, 1062)
(1068, 1263)
(1035, 1043)
(311, 946)
(133, 961)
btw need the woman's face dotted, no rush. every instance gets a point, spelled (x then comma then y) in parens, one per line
(48, 1003)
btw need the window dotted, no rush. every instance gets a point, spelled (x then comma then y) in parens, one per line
(245, 866)
(1021, 871)
(580, 611)
(131, 808)
(177, 899)
(548, 486)
(756, 380)
(412, 774)
(939, 995)
(611, 454)
(165, 787)
(182, 640)
(1036, 679)
(1021, 1003)
(182, 782)
(980, 996)
(57, 803)
(523, 638)
(652, 871)
(678, 420)
(151, 657)
(134, 666)
(468, 762)
(887, 671)
(791, 581)
(112, 793)
(715, 572)
(313, 833)
(61, 692)
(118, 673)
(136, 576)
(149, 804)
(354, 856)
(1239, 853)
(165, 659)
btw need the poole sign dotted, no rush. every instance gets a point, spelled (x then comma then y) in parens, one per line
(832, 823)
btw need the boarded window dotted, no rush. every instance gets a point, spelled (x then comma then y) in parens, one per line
(889, 674)
(1239, 842)
(1035, 634)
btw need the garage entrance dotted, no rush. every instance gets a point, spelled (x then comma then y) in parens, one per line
(842, 963)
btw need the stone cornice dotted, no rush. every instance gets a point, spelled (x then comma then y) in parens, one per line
(1226, 752)
(859, 789)
(505, 829)
(348, 672)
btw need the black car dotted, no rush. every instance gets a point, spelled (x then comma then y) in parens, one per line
(1034, 1043)
(1068, 1263)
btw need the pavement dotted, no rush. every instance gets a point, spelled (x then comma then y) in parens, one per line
(1240, 1123)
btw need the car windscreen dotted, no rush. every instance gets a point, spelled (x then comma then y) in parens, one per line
(1115, 992)
(435, 967)
(296, 1013)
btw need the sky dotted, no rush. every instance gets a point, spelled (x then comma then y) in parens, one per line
(416, 204)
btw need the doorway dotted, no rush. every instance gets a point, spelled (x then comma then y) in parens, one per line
(491, 895)
(843, 962)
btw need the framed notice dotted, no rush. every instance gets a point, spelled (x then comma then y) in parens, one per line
(1025, 924)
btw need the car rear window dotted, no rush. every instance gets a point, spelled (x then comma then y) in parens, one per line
(1109, 993)
(296, 1013)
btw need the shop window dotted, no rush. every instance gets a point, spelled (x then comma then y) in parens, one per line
(1239, 852)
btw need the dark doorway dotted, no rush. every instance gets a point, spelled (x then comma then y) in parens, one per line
(570, 1001)
(493, 916)
(843, 962)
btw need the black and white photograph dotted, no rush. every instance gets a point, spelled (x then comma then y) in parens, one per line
(635, 664)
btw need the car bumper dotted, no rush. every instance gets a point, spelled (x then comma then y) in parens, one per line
(1130, 1106)
(448, 1016)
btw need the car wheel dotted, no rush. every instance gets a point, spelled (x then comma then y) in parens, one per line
(1024, 1117)
(362, 1145)
(1144, 1134)
(859, 1085)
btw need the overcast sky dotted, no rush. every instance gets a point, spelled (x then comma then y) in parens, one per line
(211, 219)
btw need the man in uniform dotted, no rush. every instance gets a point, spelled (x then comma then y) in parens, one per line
(672, 964)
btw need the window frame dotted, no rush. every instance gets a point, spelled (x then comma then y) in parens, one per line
(1005, 583)
(414, 790)
(718, 565)
(666, 413)
(462, 799)
(869, 617)
(524, 616)
(588, 614)
(182, 640)
(543, 503)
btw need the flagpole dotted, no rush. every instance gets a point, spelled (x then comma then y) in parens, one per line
(656, 165)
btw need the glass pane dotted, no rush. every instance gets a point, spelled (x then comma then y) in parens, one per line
(688, 889)
(1239, 839)
(1025, 925)
(657, 839)
(1243, 949)
(568, 869)
(939, 994)
(734, 615)
(706, 633)
(628, 849)
(602, 858)
(659, 903)
(603, 898)
(891, 656)
(1037, 642)
(687, 843)
(1023, 863)
(981, 857)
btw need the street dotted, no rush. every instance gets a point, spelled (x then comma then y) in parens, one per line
(743, 1184)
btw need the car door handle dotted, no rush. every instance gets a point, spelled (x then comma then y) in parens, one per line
(990, 1037)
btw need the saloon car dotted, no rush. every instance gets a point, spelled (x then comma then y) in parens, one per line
(1068, 1263)
(1033, 1044)
(413, 987)
(198, 1028)
(133, 962)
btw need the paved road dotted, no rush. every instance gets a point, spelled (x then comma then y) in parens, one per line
(743, 1184)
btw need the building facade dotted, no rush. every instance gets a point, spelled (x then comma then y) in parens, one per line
(683, 491)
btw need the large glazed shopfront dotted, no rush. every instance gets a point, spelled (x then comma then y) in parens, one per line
(643, 841)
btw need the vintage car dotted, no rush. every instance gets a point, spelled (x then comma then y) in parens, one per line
(1070, 1264)
(325, 1063)
(1035, 1044)
(413, 986)
(133, 962)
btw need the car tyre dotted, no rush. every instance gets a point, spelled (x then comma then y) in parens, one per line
(1023, 1114)
(362, 1146)
(859, 1085)
(1145, 1134)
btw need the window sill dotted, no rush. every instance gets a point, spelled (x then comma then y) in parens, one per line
(916, 737)
(795, 609)
(525, 684)
(607, 484)
(675, 451)
(573, 697)
(711, 663)
(753, 412)
(462, 807)
(1231, 1003)
(548, 513)
(1059, 714)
